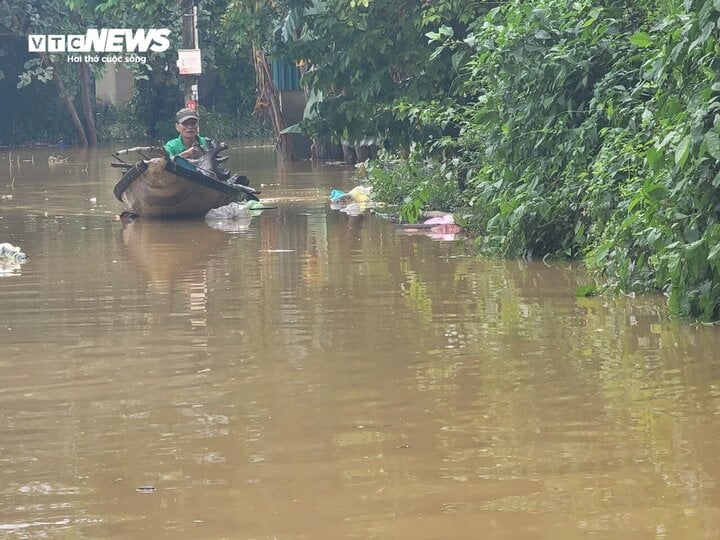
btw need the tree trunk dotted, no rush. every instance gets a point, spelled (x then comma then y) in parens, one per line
(362, 152)
(87, 104)
(349, 153)
(74, 118)
(322, 149)
(268, 102)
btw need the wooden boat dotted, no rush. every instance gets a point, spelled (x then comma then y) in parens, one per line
(162, 187)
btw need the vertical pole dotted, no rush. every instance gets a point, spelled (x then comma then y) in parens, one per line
(190, 41)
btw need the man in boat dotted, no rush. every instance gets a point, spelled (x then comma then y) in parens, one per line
(189, 144)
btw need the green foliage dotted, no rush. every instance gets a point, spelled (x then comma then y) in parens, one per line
(530, 131)
(413, 186)
(577, 129)
(117, 124)
(664, 231)
(594, 130)
(33, 69)
(222, 126)
(155, 103)
(366, 60)
(586, 290)
(157, 85)
(236, 75)
(584, 129)
(20, 18)
(31, 113)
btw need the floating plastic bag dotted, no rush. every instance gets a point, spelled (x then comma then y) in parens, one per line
(446, 228)
(447, 219)
(360, 194)
(240, 225)
(354, 209)
(256, 207)
(228, 212)
(9, 252)
(440, 227)
(233, 217)
(11, 257)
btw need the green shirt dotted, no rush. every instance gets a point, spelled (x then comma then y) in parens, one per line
(175, 146)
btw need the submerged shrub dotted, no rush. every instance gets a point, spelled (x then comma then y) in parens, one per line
(588, 129)
(414, 186)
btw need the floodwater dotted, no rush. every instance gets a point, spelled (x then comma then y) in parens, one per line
(314, 375)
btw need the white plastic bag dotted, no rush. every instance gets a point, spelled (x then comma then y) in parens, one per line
(11, 253)
(228, 212)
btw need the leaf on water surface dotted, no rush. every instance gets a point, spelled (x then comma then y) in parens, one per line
(586, 290)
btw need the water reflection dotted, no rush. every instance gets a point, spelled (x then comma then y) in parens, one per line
(235, 225)
(168, 249)
(321, 376)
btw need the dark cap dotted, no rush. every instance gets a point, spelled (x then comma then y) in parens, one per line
(185, 114)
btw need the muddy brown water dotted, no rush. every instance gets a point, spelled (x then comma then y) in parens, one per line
(316, 375)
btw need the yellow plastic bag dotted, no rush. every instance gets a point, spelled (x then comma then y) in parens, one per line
(360, 194)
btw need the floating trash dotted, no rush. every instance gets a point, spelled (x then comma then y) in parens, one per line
(54, 160)
(9, 252)
(234, 217)
(439, 227)
(354, 209)
(11, 257)
(358, 194)
(229, 211)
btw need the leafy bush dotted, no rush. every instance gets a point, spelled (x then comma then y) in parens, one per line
(587, 129)
(117, 124)
(413, 186)
(223, 126)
